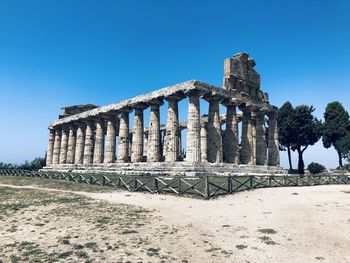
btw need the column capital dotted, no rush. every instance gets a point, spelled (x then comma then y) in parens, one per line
(194, 93)
(213, 97)
(230, 102)
(139, 106)
(246, 107)
(126, 109)
(175, 97)
(156, 102)
(258, 114)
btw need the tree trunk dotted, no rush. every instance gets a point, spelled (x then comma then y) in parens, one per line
(340, 160)
(300, 162)
(289, 159)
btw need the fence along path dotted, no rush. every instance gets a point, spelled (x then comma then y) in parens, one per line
(207, 187)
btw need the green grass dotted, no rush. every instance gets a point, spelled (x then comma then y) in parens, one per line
(241, 247)
(267, 240)
(53, 184)
(268, 231)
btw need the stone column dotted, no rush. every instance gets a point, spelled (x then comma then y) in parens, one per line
(253, 143)
(204, 141)
(246, 141)
(145, 143)
(214, 152)
(137, 144)
(273, 148)
(99, 142)
(193, 151)
(153, 153)
(261, 147)
(123, 147)
(71, 144)
(89, 143)
(50, 145)
(162, 145)
(64, 145)
(180, 145)
(231, 146)
(79, 147)
(172, 131)
(56, 147)
(110, 139)
(130, 143)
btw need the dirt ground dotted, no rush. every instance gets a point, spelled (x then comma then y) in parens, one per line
(40, 224)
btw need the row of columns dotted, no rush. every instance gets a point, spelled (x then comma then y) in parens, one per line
(86, 143)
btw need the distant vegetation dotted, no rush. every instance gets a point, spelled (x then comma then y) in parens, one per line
(33, 165)
(299, 129)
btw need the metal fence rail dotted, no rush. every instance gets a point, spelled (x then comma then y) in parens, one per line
(207, 187)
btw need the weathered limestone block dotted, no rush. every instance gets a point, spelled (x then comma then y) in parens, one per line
(215, 153)
(89, 144)
(246, 141)
(110, 139)
(49, 152)
(204, 141)
(153, 154)
(64, 145)
(123, 147)
(172, 132)
(99, 142)
(79, 149)
(56, 147)
(273, 150)
(137, 138)
(71, 144)
(193, 152)
(231, 145)
(261, 146)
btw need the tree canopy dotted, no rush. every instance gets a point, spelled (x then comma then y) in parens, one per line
(286, 125)
(306, 132)
(336, 129)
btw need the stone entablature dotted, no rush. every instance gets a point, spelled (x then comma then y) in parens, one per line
(88, 138)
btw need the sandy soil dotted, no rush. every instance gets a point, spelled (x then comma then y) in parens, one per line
(308, 224)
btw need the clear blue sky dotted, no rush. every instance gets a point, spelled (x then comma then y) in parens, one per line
(58, 53)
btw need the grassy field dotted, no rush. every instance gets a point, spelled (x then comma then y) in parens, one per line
(41, 226)
(51, 225)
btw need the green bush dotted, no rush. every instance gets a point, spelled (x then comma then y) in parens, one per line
(316, 168)
(293, 171)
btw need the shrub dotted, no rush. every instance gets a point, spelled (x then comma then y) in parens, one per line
(293, 171)
(316, 168)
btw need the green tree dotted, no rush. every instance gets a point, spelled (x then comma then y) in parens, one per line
(316, 168)
(307, 131)
(285, 125)
(344, 146)
(335, 128)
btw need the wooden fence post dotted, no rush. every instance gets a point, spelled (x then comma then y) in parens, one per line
(250, 182)
(206, 187)
(135, 184)
(229, 184)
(103, 180)
(155, 185)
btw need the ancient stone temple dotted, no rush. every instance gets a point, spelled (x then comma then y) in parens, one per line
(242, 139)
